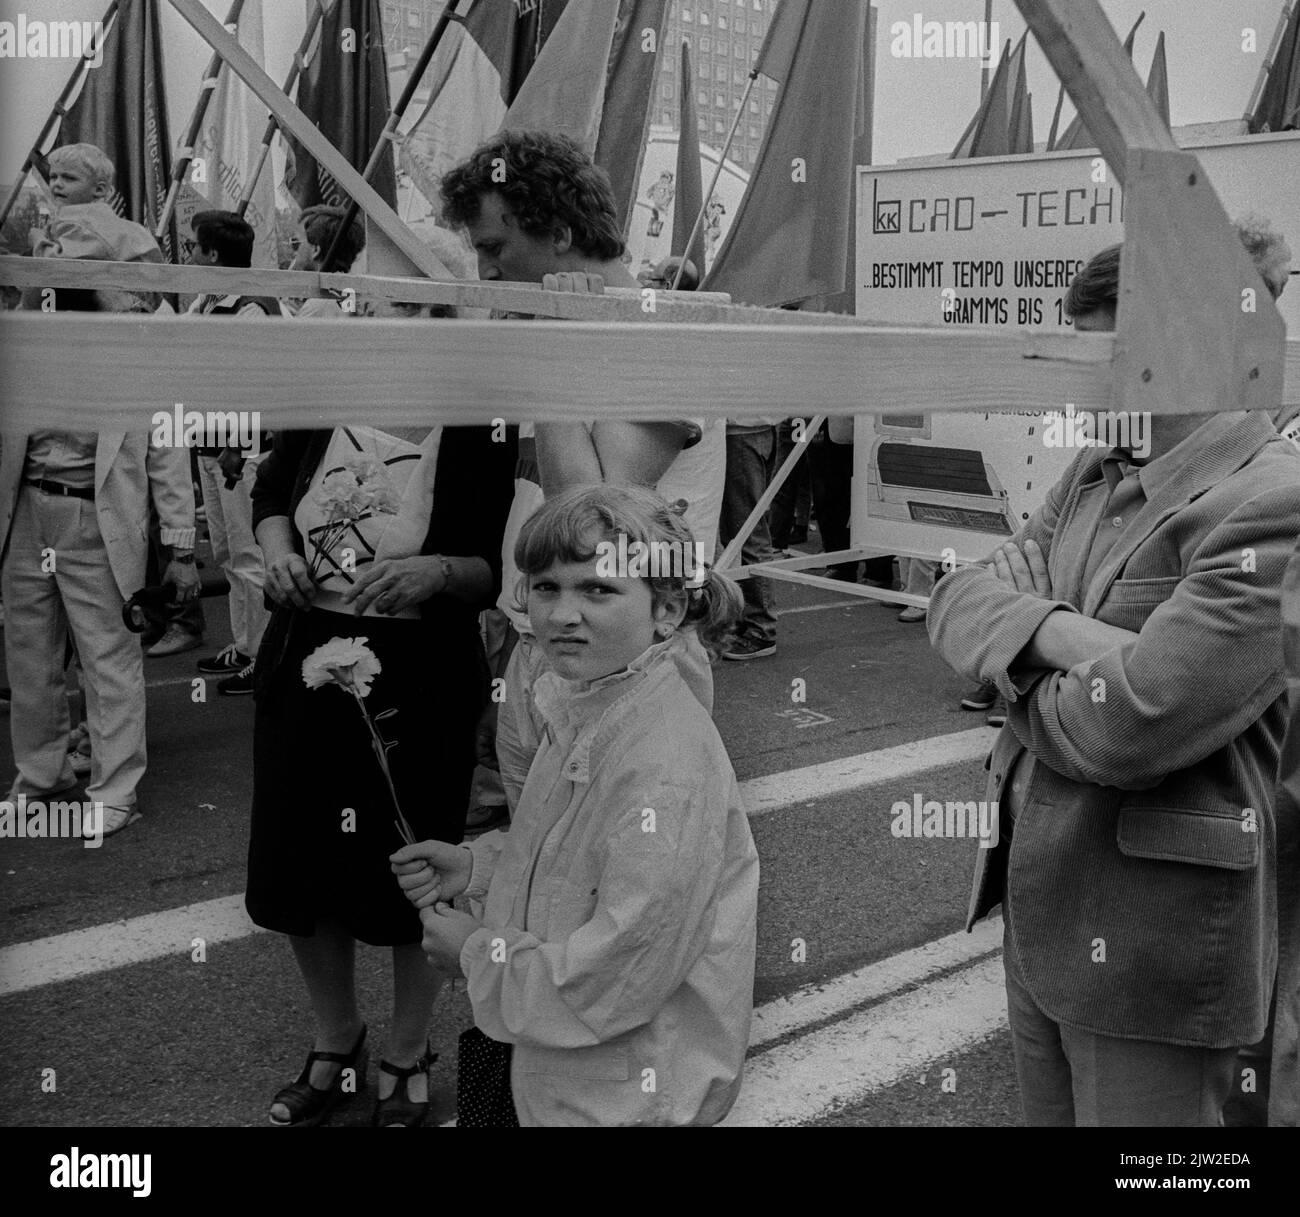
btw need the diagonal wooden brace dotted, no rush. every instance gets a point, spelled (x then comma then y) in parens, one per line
(1197, 329)
(1197, 325)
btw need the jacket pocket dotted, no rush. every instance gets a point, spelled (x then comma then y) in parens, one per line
(1129, 602)
(1176, 834)
(602, 1063)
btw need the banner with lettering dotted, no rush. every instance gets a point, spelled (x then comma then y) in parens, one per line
(996, 242)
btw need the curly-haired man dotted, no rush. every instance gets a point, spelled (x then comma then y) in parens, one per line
(538, 210)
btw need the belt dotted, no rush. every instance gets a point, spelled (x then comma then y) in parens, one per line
(72, 492)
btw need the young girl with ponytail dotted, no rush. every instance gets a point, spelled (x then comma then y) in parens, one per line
(611, 960)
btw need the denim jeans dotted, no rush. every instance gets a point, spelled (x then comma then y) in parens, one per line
(751, 461)
(793, 503)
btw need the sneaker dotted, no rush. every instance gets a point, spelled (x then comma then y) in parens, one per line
(749, 646)
(240, 683)
(224, 662)
(173, 642)
(982, 697)
(997, 717)
(912, 614)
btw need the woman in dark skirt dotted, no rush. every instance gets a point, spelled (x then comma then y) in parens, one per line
(404, 573)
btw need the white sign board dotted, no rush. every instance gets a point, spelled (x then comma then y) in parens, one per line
(996, 242)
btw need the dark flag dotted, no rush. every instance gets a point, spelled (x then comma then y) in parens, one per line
(1279, 104)
(1020, 129)
(478, 71)
(122, 109)
(1056, 121)
(846, 301)
(789, 241)
(475, 74)
(1158, 80)
(565, 91)
(344, 91)
(997, 122)
(629, 96)
(689, 199)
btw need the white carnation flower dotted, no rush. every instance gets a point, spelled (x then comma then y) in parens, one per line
(347, 662)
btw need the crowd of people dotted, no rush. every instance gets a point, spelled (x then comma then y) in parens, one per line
(606, 920)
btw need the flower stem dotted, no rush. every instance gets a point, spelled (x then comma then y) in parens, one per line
(381, 755)
(332, 536)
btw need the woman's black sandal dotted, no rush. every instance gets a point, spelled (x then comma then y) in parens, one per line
(397, 1111)
(309, 1106)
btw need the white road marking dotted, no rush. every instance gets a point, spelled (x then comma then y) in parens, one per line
(849, 601)
(117, 944)
(185, 680)
(101, 948)
(827, 1070)
(791, 786)
(816, 1003)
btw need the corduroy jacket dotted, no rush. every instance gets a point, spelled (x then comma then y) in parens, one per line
(1284, 1093)
(1141, 876)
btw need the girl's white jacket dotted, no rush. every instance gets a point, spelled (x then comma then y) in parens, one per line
(617, 953)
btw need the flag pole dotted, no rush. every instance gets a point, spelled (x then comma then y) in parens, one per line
(272, 124)
(987, 56)
(389, 133)
(1267, 66)
(57, 113)
(717, 173)
(207, 87)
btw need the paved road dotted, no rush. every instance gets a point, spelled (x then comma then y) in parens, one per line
(873, 1007)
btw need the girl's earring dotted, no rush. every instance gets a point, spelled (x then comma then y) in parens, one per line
(666, 630)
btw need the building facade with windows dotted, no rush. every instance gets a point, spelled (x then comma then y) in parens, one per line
(725, 37)
(408, 25)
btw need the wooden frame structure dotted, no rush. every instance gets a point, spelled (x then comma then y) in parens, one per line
(1187, 342)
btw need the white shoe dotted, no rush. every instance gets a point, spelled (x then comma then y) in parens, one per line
(175, 641)
(115, 819)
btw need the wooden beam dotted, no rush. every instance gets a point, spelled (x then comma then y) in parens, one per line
(294, 121)
(1187, 340)
(90, 371)
(1197, 324)
(1088, 57)
(823, 583)
(617, 304)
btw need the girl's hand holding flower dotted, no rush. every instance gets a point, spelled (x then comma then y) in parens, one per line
(432, 871)
(395, 584)
(446, 931)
